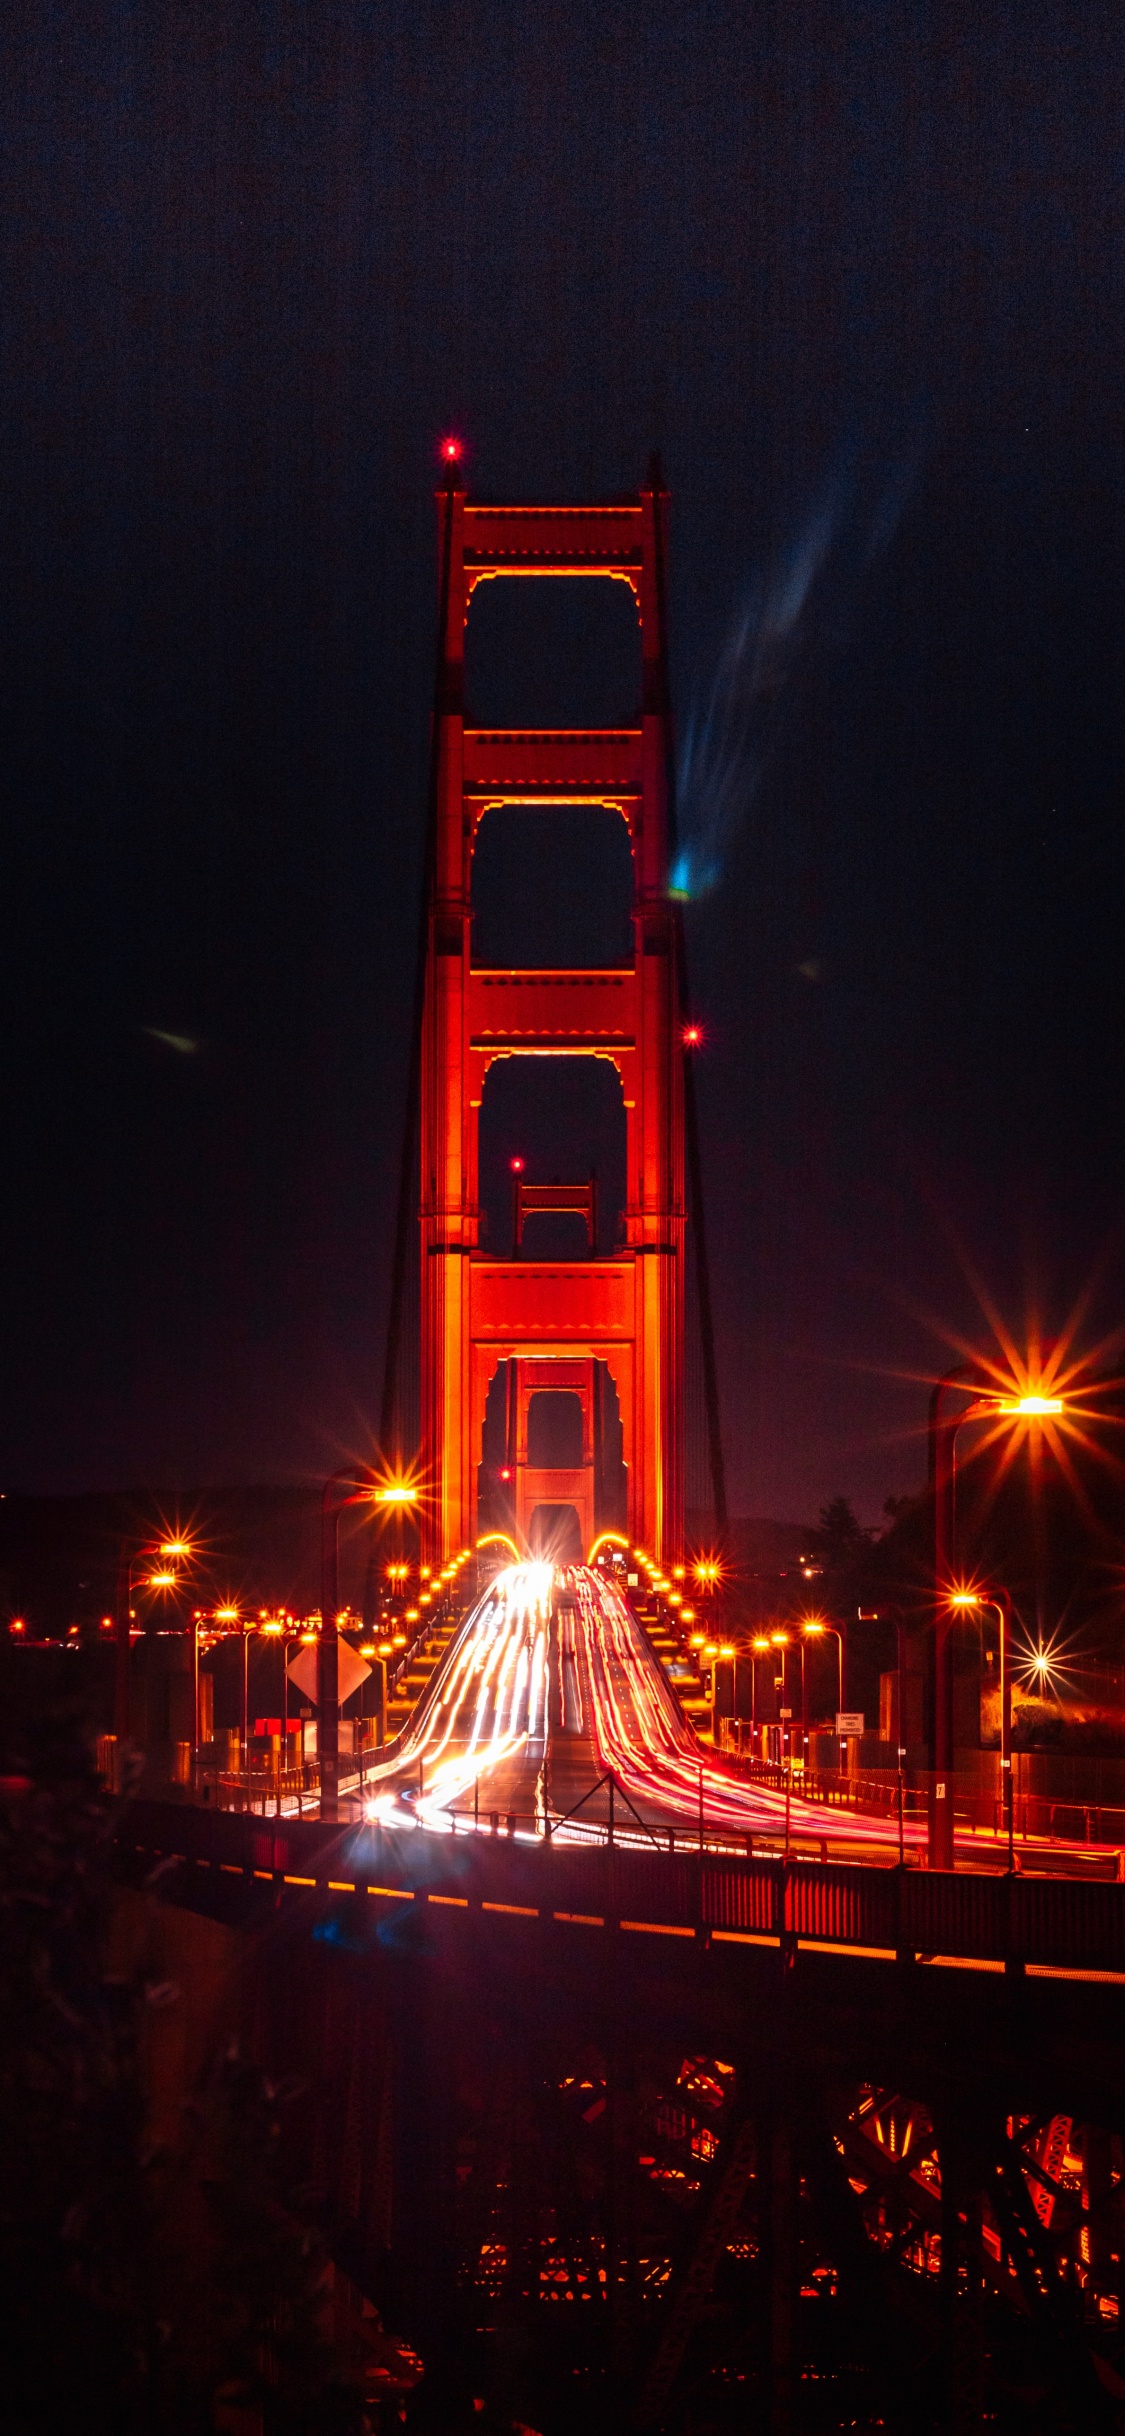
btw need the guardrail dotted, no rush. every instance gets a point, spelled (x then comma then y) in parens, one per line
(1040, 1926)
(836, 1790)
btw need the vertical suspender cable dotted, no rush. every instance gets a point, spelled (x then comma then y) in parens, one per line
(691, 1111)
(388, 1445)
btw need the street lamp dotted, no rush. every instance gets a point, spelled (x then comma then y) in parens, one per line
(1001, 1605)
(340, 1490)
(987, 1403)
(128, 1576)
(780, 1641)
(759, 1648)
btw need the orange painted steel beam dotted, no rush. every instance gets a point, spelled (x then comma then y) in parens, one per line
(477, 1309)
(555, 765)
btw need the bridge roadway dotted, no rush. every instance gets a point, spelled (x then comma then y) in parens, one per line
(549, 1687)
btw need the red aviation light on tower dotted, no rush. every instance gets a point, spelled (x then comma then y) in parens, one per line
(516, 1166)
(692, 1036)
(451, 450)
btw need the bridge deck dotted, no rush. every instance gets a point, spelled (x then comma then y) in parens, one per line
(1045, 1928)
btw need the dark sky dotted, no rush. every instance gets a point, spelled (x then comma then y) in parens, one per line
(857, 272)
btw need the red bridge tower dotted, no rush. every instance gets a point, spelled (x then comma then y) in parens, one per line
(554, 1319)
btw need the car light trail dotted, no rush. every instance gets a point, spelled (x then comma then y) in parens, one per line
(490, 1709)
(485, 1707)
(638, 1733)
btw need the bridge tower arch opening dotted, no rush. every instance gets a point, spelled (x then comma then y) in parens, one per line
(553, 1322)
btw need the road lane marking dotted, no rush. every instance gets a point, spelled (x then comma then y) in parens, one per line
(1061, 1970)
(961, 1962)
(867, 1953)
(654, 1928)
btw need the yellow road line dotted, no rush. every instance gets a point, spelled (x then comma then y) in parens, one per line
(1060, 1970)
(961, 1962)
(831, 1945)
(655, 1928)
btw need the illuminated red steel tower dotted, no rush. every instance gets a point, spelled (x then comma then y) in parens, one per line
(553, 1318)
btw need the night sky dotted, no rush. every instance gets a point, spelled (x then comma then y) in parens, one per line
(857, 273)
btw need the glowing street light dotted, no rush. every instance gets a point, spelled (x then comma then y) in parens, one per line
(986, 1403)
(163, 1577)
(814, 1628)
(965, 1602)
(341, 1489)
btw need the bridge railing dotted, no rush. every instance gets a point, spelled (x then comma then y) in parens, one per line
(1057, 1926)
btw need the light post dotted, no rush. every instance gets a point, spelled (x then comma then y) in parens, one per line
(759, 1648)
(987, 1403)
(198, 1629)
(1001, 1606)
(244, 1709)
(228, 1617)
(340, 1490)
(780, 1641)
(814, 1628)
(166, 1550)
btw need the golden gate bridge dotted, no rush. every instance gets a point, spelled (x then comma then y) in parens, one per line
(619, 2050)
